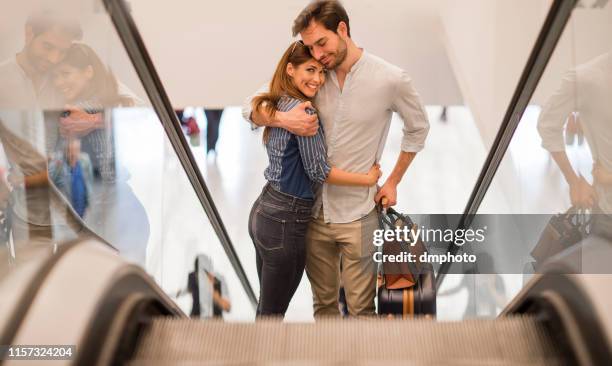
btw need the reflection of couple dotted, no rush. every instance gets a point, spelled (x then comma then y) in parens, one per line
(90, 91)
(317, 208)
(54, 72)
(37, 213)
(585, 93)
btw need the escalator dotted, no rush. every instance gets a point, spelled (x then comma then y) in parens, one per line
(122, 316)
(507, 341)
(82, 293)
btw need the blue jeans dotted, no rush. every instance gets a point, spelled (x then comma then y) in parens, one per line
(277, 226)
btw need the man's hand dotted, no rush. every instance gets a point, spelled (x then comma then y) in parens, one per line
(298, 121)
(582, 194)
(78, 123)
(388, 191)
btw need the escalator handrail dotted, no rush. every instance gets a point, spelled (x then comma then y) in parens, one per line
(136, 50)
(550, 33)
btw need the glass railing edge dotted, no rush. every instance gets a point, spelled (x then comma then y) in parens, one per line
(136, 50)
(552, 29)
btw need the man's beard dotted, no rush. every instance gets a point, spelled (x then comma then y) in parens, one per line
(341, 53)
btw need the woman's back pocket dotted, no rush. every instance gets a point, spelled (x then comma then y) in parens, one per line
(269, 231)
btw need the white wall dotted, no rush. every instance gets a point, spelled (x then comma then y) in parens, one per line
(489, 43)
(214, 53)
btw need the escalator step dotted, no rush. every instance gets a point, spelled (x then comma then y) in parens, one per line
(504, 341)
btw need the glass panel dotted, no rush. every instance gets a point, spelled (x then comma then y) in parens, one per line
(560, 158)
(84, 152)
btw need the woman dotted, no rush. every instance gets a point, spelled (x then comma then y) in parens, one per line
(90, 92)
(280, 216)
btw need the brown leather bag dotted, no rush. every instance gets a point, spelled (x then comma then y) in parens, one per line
(399, 275)
(405, 289)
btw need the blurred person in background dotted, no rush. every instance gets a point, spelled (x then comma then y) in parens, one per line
(210, 297)
(213, 122)
(73, 175)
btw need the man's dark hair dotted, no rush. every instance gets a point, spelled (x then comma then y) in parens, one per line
(44, 21)
(327, 12)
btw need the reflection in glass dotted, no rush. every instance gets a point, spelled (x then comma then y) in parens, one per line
(83, 153)
(581, 107)
(560, 158)
(38, 213)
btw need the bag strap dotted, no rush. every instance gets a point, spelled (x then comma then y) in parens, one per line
(400, 216)
(388, 219)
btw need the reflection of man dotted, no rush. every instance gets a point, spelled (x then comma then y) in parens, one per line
(586, 92)
(24, 76)
(25, 135)
(355, 106)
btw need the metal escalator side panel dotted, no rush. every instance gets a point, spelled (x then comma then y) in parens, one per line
(21, 285)
(576, 306)
(129, 303)
(73, 301)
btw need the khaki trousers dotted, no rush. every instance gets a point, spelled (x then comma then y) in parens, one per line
(329, 244)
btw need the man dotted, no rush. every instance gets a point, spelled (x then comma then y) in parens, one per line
(355, 106)
(38, 215)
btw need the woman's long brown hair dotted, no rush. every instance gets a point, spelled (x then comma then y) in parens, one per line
(281, 83)
(103, 86)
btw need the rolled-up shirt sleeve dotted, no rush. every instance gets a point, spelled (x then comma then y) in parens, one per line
(314, 156)
(247, 107)
(555, 112)
(407, 103)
